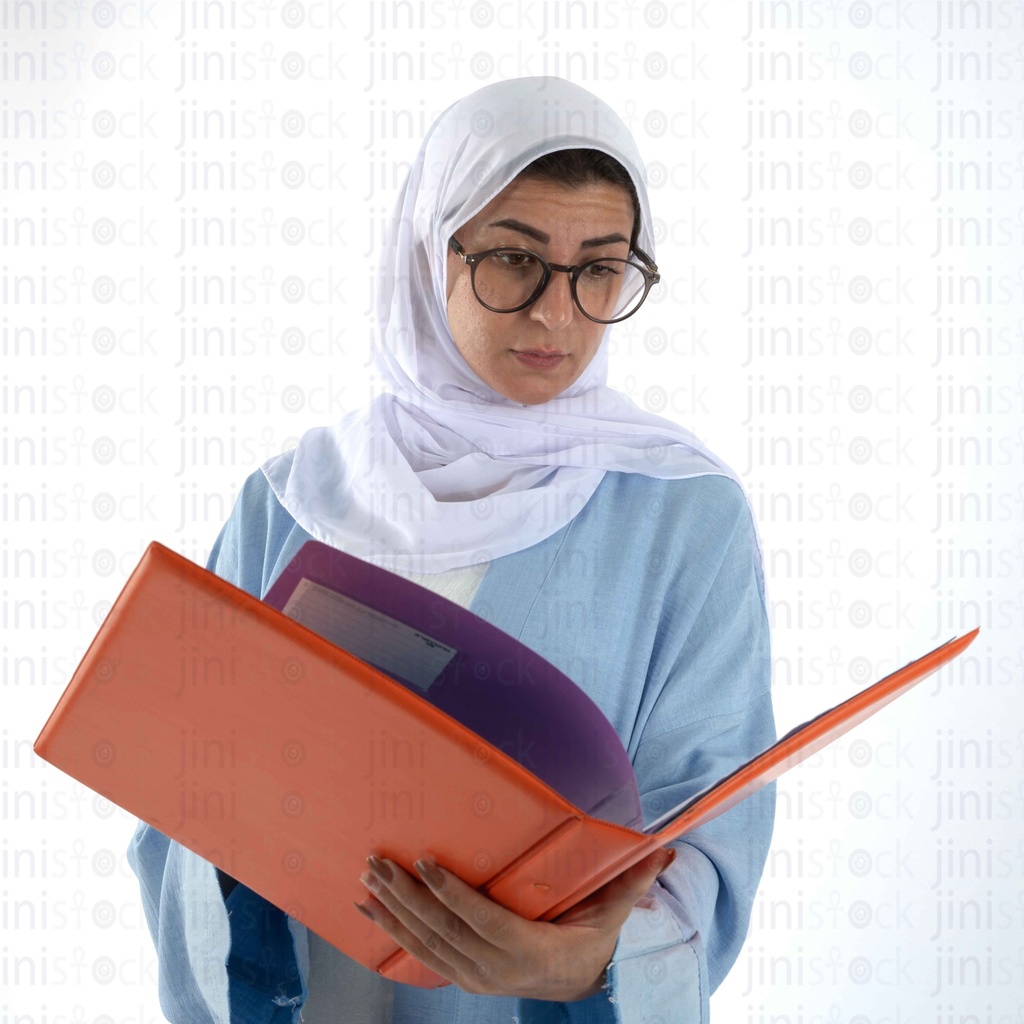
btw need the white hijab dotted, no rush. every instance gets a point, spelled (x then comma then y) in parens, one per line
(440, 471)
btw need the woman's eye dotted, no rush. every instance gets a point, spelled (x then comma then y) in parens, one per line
(518, 260)
(596, 271)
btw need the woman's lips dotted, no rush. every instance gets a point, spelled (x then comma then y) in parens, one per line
(538, 360)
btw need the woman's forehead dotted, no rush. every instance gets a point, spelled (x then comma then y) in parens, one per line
(544, 203)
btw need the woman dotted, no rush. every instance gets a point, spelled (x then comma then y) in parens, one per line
(499, 469)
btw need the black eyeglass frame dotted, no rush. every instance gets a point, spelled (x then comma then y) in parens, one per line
(649, 272)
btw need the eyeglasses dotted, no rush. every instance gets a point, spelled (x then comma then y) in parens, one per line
(605, 290)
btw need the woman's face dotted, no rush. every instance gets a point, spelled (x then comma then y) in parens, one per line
(533, 355)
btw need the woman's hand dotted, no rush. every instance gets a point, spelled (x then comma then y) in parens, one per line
(485, 949)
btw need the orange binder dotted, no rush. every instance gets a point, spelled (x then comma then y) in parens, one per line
(285, 760)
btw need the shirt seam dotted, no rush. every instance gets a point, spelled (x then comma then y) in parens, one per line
(547, 575)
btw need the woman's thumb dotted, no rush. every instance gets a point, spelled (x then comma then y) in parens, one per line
(637, 880)
(614, 901)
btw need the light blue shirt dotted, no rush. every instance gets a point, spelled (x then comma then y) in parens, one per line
(652, 600)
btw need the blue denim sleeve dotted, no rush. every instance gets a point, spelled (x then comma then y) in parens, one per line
(233, 960)
(713, 713)
(189, 929)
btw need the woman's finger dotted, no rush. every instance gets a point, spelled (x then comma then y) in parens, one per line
(375, 909)
(491, 922)
(436, 928)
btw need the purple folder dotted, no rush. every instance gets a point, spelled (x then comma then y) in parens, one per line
(467, 668)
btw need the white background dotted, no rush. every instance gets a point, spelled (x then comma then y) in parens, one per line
(793, 151)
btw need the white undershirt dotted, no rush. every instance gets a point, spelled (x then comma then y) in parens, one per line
(339, 988)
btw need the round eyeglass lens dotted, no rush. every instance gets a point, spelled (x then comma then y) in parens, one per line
(607, 289)
(610, 289)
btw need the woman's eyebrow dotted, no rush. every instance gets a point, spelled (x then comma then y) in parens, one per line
(590, 243)
(540, 236)
(525, 229)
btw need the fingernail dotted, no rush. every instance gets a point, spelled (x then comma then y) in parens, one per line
(371, 881)
(365, 911)
(429, 873)
(671, 856)
(379, 868)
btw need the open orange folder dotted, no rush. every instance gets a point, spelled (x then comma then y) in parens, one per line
(285, 760)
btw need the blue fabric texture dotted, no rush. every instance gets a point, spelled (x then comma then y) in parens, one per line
(652, 600)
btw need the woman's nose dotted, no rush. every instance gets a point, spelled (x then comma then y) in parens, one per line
(555, 307)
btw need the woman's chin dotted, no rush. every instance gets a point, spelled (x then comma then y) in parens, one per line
(527, 384)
